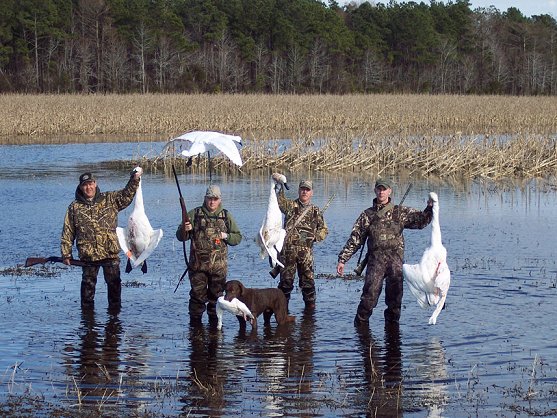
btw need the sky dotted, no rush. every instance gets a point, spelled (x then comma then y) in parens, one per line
(527, 7)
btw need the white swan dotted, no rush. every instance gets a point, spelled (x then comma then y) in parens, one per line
(235, 307)
(138, 240)
(271, 234)
(198, 142)
(429, 281)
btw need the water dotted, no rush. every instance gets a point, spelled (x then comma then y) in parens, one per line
(491, 352)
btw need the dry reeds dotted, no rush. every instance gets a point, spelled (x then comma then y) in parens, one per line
(453, 157)
(447, 136)
(271, 117)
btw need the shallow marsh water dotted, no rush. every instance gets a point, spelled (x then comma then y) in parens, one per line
(492, 352)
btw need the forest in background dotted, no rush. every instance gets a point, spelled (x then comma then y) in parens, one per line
(273, 46)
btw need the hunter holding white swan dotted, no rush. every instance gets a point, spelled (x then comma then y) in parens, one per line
(304, 225)
(381, 226)
(90, 222)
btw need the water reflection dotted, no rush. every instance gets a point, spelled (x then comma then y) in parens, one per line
(96, 376)
(206, 385)
(428, 376)
(286, 365)
(382, 372)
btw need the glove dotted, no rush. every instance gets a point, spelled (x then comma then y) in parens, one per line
(277, 177)
(137, 172)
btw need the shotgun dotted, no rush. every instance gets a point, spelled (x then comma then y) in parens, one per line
(185, 219)
(363, 263)
(31, 261)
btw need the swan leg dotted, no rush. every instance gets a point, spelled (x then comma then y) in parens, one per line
(144, 267)
(433, 318)
(128, 266)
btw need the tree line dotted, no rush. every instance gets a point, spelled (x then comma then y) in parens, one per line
(273, 46)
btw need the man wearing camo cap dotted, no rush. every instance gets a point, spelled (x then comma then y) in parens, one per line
(381, 227)
(304, 225)
(90, 222)
(211, 231)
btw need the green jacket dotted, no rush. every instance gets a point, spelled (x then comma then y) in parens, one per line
(92, 224)
(208, 251)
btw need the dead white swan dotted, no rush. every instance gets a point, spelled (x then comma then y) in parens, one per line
(429, 281)
(138, 240)
(271, 234)
(235, 307)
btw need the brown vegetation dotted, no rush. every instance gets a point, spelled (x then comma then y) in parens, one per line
(457, 136)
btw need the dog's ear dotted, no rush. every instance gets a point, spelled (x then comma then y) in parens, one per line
(241, 287)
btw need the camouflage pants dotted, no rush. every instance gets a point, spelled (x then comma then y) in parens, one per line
(111, 275)
(382, 267)
(205, 288)
(300, 259)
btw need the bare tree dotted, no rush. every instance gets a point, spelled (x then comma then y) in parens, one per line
(372, 70)
(142, 43)
(295, 74)
(276, 73)
(164, 60)
(115, 63)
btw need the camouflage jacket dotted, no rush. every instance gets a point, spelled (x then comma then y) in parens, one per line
(303, 227)
(208, 252)
(92, 223)
(382, 226)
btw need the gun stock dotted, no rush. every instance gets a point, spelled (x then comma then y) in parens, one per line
(185, 217)
(361, 266)
(31, 261)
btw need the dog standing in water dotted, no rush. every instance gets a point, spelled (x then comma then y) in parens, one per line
(259, 301)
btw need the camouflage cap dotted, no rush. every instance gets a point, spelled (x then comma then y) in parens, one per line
(85, 177)
(213, 191)
(383, 182)
(307, 184)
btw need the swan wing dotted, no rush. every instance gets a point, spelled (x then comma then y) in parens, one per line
(419, 288)
(155, 238)
(235, 307)
(122, 233)
(198, 142)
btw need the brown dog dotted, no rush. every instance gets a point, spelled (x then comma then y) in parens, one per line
(259, 301)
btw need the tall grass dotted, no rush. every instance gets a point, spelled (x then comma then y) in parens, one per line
(457, 136)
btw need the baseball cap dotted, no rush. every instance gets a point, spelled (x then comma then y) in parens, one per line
(383, 182)
(213, 191)
(85, 177)
(308, 184)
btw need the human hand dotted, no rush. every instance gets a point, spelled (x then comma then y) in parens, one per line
(340, 269)
(188, 226)
(67, 261)
(137, 172)
(277, 177)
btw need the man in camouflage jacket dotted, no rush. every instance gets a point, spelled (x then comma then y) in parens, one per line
(211, 231)
(90, 222)
(381, 226)
(304, 225)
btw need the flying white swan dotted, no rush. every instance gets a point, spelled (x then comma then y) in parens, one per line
(198, 142)
(429, 281)
(235, 307)
(138, 240)
(271, 234)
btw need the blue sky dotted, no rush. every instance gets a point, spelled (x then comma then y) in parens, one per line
(527, 7)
